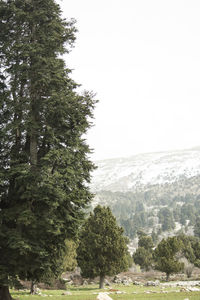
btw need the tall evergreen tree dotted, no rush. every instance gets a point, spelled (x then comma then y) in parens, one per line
(44, 164)
(102, 249)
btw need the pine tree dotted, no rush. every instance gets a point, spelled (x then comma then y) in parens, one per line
(143, 255)
(165, 256)
(102, 249)
(44, 164)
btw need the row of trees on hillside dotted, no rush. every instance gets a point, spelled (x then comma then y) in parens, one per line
(171, 255)
(162, 221)
(159, 207)
(186, 215)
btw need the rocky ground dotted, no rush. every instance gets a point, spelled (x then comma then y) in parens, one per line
(132, 277)
(150, 278)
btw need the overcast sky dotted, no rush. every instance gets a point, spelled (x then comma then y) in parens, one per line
(142, 59)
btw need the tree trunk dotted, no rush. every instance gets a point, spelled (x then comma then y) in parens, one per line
(4, 293)
(34, 103)
(33, 288)
(101, 283)
(33, 148)
(167, 277)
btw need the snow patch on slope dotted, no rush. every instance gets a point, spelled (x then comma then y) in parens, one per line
(128, 174)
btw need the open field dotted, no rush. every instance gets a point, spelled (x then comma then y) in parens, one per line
(120, 292)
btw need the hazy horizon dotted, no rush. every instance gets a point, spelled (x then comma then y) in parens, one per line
(142, 59)
(150, 152)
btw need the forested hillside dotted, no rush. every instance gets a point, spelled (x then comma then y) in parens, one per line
(160, 207)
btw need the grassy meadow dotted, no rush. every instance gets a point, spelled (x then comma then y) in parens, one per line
(131, 292)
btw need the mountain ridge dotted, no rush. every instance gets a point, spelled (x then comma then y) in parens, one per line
(137, 171)
(158, 193)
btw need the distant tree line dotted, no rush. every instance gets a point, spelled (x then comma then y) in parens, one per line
(135, 211)
(172, 255)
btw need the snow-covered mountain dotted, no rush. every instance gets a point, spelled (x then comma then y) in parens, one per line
(136, 172)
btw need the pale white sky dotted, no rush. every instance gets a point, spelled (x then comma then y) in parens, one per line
(142, 59)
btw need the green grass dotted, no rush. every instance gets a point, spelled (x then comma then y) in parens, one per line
(90, 292)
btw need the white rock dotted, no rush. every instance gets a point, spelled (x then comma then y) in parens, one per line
(194, 289)
(67, 293)
(103, 296)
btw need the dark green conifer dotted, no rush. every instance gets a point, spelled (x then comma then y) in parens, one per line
(165, 256)
(144, 253)
(102, 249)
(44, 165)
